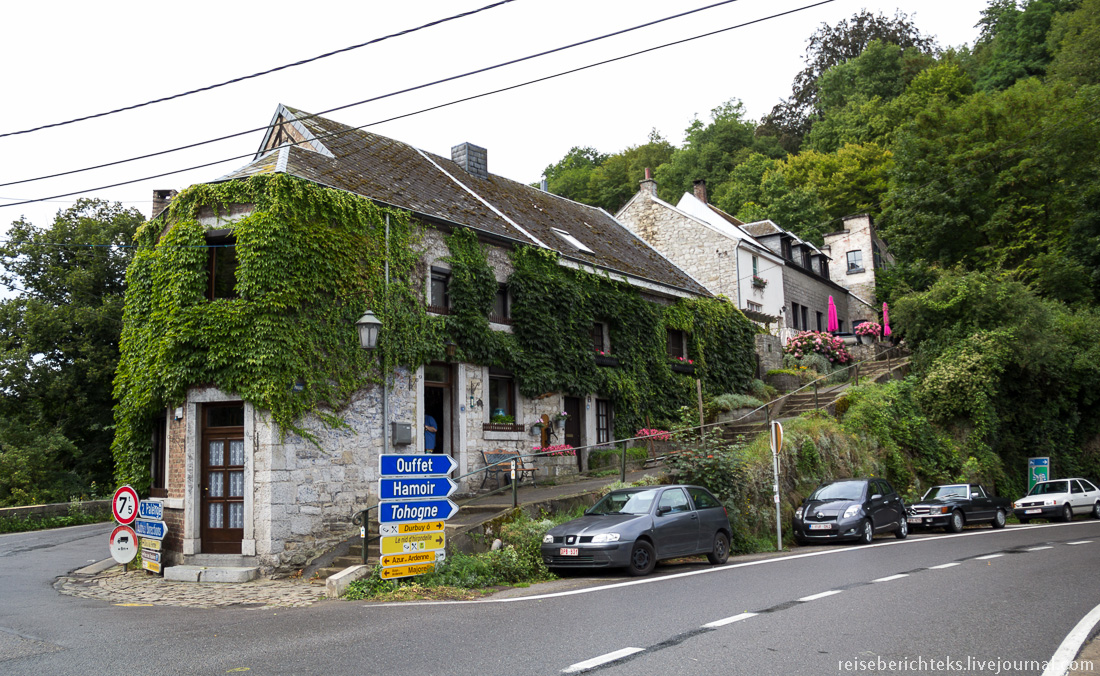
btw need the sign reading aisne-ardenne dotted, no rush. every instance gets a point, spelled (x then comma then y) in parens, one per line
(411, 488)
(393, 465)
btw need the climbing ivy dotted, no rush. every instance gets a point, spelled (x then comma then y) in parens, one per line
(310, 262)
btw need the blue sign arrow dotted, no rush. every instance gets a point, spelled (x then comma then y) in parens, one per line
(421, 464)
(151, 509)
(154, 530)
(416, 487)
(411, 511)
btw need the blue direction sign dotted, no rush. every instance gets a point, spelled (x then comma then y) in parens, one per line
(403, 511)
(154, 530)
(151, 509)
(422, 464)
(413, 488)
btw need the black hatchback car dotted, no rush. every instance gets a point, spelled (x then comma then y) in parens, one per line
(850, 509)
(635, 527)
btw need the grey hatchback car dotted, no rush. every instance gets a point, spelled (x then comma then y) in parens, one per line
(636, 527)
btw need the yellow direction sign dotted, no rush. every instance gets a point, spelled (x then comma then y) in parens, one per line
(415, 542)
(150, 565)
(406, 528)
(406, 571)
(146, 543)
(409, 559)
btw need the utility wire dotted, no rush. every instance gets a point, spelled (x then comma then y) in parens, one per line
(442, 105)
(261, 73)
(391, 94)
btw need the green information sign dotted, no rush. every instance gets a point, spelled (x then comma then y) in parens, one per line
(1038, 469)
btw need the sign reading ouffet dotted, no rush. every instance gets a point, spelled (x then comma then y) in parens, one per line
(412, 509)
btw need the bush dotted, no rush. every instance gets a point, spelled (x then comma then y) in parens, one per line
(810, 342)
(730, 402)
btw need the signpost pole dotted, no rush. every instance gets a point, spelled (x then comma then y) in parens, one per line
(515, 488)
(777, 445)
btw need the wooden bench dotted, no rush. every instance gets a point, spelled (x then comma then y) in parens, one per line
(499, 462)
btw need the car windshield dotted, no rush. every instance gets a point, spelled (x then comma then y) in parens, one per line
(625, 502)
(841, 490)
(945, 492)
(1049, 487)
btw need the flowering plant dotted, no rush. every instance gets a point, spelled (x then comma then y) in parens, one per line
(561, 416)
(683, 360)
(559, 449)
(659, 435)
(604, 353)
(759, 281)
(808, 342)
(873, 329)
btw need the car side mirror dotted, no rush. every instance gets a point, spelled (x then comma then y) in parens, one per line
(876, 496)
(663, 509)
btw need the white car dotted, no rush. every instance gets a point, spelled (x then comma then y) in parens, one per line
(1060, 499)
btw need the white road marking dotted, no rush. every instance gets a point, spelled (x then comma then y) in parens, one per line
(944, 565)
(1035, 549)
(814, 597)
(987, 556)
(602, 659)
(892, 577)
(1079, 542)
(1067, 652)
(729, 620)
(732, 566)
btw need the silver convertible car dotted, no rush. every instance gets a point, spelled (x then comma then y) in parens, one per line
(636, 527)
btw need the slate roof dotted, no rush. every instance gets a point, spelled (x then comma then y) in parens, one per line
(400, 175)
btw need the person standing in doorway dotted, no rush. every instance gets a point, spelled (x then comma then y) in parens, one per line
(429, 434)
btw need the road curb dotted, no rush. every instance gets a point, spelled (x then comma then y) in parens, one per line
(96, 568)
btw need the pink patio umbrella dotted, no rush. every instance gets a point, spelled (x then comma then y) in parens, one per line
(885, 320)
(834, 324)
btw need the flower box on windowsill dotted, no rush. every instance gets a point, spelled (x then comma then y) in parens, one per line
(759, 282)
(606, 360)
(502, 427)
(681, 367)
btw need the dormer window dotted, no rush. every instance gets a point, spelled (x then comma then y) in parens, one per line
(787, 250)
(221, 264)
(573, 241)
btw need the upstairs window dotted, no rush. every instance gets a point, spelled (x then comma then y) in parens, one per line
(502, 308)
(599, 339)
(440, 300)
(806, 258)
(787, 250)
(755, 266)
(502, 397)
(824, 268)
(603, 421)
(221, 264)
(855, 261)
(677, 344)
(158, 486)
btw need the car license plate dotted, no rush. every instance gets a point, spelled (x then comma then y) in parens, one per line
(914, 519)
(570, 551)
(820, 526)
(1032, 511)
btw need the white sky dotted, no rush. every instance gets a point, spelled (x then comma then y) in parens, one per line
(69, 59)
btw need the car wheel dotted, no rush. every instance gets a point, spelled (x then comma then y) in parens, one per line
(721, 550)
(999, 519)
(903, 529)
(955, 523)
(642, 559)
(867, 534)
(1067, 513)
(1096, 511)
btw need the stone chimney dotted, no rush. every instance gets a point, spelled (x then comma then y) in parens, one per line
(700, 185)
(161, 198)
(647, 184)
(474, 159)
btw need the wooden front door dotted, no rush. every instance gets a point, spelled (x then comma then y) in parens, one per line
(574, 425)
(222, 479)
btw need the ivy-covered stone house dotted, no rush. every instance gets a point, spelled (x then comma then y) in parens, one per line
(247, 404)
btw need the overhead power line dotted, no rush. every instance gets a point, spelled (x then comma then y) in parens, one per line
(259, 74)
(375, 98)
(422, 86)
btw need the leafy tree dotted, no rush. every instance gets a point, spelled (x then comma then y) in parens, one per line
(570, 175)
(1074, 39)
(790, 120)
(1013, 42)
(850, 181)
(615, 181)
(59, 340)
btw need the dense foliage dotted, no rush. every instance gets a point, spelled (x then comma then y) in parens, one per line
(59, 337)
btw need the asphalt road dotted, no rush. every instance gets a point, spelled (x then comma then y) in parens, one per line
(1012, 609)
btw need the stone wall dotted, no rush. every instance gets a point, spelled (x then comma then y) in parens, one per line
(769, 353)
(811, 292)
(693, 246)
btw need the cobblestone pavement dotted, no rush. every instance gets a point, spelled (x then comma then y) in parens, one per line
(139, 587)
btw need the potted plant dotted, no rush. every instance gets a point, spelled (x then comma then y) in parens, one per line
(560, 418)
(683, 365)
(759, 282)
(870, 329)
